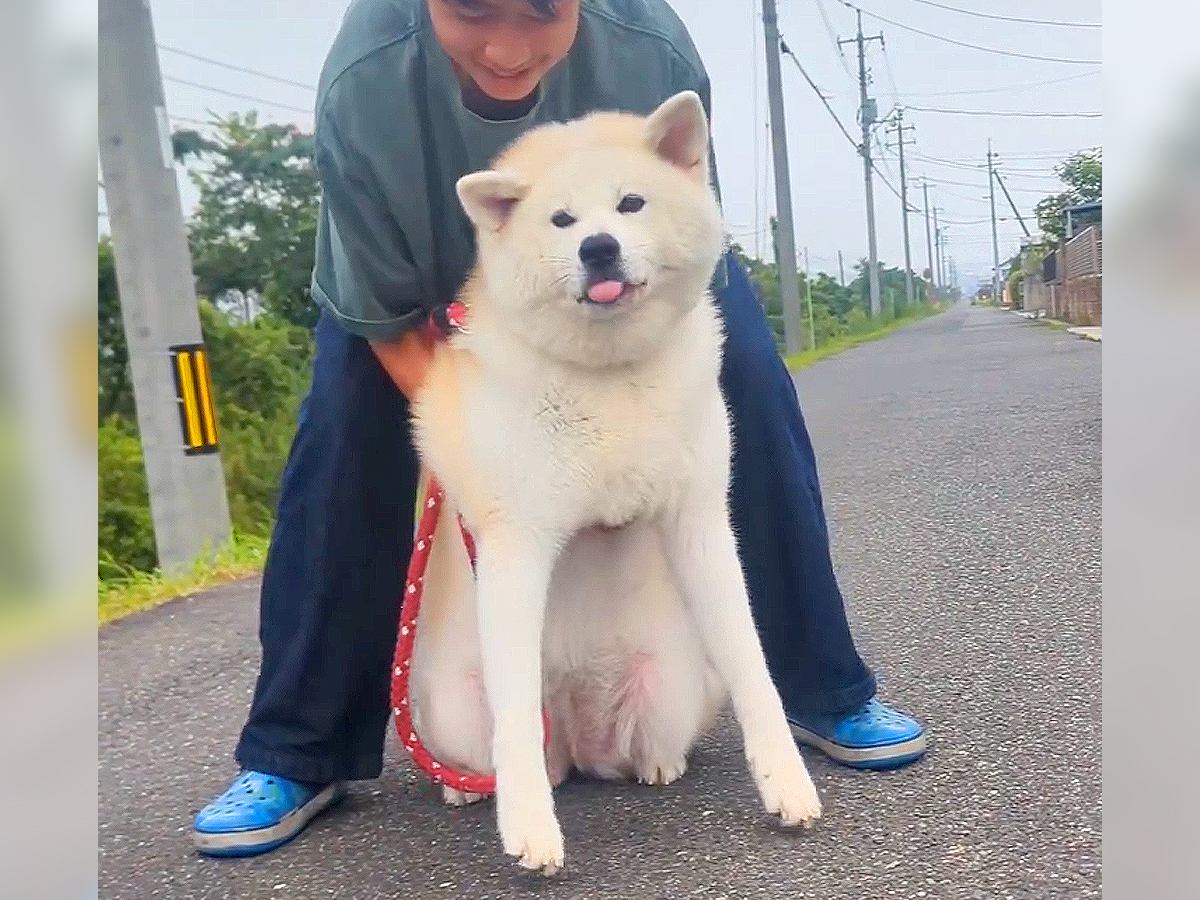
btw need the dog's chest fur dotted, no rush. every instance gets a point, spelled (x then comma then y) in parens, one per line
(570, 448)
(617, 448)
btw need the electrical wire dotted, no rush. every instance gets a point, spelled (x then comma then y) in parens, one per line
(984, 187)
(1008, 87)
(236, 95)
(1005, 113)
(1023, 21)
(980, 47)
(837, 48)
(186, 120)
(235, 68)
(787, 51)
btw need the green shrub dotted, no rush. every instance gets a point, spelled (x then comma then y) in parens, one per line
(125, 532)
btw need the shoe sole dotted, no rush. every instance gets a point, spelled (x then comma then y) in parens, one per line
(261, 840)
(881, 758)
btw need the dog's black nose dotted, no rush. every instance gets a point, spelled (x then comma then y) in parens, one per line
(599, 250)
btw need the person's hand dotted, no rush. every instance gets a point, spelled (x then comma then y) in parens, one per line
(406, 359)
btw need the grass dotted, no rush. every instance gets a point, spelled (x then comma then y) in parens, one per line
(806, 358)
(1056, 324)
(124, 591)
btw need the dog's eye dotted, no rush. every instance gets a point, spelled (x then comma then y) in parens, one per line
(631, 203)
(563, 219)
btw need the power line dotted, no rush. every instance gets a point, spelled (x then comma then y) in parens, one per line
(832, 32)
(235, 68)
(1008, 87)
(975, 167)
(1007, 113)
(983, 187)
(792, 56)
(887, 68)
(996, 50)
(853, 143)
(983, 15)
(947, 163)
(186, 120)
(1029, 173)
(236, 95)
(1026, 156)
(961, 196)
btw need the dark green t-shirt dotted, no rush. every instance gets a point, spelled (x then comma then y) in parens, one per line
(393, 136)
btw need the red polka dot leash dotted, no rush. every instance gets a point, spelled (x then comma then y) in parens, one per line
(410, 608)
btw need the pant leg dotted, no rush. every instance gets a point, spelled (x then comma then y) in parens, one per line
(779, 519)
(331, 589)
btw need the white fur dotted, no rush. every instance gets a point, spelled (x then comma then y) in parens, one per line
(588, 450)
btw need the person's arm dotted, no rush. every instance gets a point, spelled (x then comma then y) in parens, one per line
(406, 359)
(364, 274)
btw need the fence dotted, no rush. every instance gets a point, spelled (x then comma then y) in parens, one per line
(1071, 281)
(1082, 254)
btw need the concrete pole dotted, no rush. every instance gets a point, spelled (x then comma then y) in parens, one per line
(785, 238)
(171, 382)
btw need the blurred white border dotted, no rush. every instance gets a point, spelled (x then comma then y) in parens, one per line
(47, 431)
(1151, 448)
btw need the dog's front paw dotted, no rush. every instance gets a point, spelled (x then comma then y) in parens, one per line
(530, 832)
(785, 786)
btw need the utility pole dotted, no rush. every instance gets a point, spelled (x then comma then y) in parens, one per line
(1012, 205)
(841, 270)
(928, 237)
(866, 117)
(899, 127)
(995, 240)
(169, 365)
(936, 274)
(812, 332)
(942, 256)
(785, 238)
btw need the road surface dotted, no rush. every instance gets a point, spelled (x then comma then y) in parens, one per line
(961, 464)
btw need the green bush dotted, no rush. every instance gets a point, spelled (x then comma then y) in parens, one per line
(260, 373)
(125, 533)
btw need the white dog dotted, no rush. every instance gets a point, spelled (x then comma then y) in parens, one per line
(578, 427)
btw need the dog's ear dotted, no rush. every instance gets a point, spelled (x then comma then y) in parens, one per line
(489, 197)
(678, 132)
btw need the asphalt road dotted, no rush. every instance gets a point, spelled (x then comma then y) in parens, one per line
(961, 464)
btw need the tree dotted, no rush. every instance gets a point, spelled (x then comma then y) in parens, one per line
(1082, 174)
(254, 229)
(116, 390)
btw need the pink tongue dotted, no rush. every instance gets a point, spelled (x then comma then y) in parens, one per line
(605, 291)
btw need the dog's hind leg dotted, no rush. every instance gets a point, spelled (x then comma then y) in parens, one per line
(670, 697)
(450, 709)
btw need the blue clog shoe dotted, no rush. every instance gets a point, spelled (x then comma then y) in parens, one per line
(874, 736)
(260, 812)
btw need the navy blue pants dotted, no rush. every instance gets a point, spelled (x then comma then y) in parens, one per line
(331, 589)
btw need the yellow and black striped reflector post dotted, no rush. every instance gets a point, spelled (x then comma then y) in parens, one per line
(193, 388)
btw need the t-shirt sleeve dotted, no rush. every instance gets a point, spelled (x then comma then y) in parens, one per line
(364, 274)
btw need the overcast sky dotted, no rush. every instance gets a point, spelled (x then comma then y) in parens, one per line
(289, 38)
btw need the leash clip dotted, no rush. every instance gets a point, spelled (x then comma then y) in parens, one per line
(451, 317)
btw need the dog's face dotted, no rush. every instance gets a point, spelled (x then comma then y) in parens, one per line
(596, 236)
